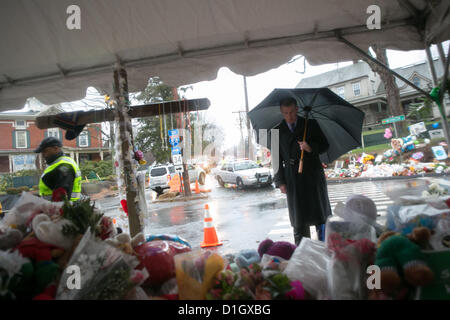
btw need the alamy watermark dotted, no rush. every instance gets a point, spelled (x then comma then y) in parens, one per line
(73, 21)
(374, 20)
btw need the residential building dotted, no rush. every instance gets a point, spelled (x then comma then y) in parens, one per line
(363, 88)
(21, 136)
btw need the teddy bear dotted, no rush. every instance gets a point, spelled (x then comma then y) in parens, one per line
(9, 238)
(400, 256)
(124, 242)
(49, 230)
(282, 249)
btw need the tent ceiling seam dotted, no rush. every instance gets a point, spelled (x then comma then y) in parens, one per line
(213, 51)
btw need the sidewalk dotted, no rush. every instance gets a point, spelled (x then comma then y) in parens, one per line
(354, 180)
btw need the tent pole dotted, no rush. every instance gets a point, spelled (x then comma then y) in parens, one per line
(131, 184)
(440, 106)
(443, 117)
(352, 46)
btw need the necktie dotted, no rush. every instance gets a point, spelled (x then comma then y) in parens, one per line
(291, 126)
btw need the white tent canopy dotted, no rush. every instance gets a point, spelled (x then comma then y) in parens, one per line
(188, 41)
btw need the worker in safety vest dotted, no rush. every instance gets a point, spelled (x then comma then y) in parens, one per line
(62, 173)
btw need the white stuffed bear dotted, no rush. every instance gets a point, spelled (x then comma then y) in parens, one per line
(50, 231)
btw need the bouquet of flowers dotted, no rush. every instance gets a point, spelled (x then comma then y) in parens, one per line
(105, 273)
(250, 284)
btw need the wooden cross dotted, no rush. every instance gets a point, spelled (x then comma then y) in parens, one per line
(124, 114)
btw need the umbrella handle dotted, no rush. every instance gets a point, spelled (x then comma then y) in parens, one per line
(300, 165)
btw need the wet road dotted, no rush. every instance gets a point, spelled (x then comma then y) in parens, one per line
(244, 218)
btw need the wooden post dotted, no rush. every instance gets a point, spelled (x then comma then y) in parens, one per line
(132, 191)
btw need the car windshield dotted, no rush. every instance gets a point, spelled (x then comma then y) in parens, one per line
(157, 172)
(245, 165)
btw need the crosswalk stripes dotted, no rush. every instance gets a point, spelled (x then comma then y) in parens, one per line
(282, 230)
(340, 192)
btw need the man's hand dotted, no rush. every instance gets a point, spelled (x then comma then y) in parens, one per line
(304, 146)
(283, 188)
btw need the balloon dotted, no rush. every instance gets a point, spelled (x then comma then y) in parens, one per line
(435, 125)
(427, 141)
(416, 141)
(388, 133)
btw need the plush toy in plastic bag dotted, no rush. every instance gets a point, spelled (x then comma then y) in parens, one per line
(195, 272)
(347, 268)
(348, 229)
(26, 207)
(158, 258)
(308, 264)
(404, 219)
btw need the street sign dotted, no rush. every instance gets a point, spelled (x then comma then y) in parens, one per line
(176, 150)
(177, 159)
(393, 119)
(174, 137)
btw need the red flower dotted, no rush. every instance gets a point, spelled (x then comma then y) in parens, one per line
(59, 194)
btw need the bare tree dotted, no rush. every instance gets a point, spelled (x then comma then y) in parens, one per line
(394, 104)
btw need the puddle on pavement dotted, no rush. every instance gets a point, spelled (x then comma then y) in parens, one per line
(272, 205)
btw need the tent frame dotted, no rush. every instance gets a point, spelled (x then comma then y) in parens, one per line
(433, 71)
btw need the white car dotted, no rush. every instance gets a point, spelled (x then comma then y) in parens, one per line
(160, 176)
(244, 173)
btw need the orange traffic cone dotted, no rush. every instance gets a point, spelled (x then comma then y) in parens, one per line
(210, 236)
(197, 188)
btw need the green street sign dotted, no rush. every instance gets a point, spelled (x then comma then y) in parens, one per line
(393, 119)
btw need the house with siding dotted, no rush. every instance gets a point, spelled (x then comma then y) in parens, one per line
(20, 137)
(363, 88)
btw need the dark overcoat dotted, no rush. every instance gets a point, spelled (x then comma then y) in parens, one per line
(307, 194)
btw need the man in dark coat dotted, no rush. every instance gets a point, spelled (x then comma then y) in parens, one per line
(307, 194)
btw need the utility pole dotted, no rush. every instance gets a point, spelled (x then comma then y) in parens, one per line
(248, 149)
(241, 129)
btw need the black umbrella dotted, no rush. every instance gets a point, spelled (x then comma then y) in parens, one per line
(339, 120)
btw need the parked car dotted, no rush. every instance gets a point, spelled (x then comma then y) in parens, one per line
(243, 173)
(160, 176)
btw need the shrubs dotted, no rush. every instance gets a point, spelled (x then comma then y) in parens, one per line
(102, 168)
(12, 190)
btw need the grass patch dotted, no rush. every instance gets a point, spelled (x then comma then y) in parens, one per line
(374, 149)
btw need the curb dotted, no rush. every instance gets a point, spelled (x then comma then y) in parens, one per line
(182, 199)
(354, 180)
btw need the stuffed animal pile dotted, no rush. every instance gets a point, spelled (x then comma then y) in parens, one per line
(41, 241)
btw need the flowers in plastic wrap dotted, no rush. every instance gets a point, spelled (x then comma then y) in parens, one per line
(434, 190)
(352, 246)
(308, 265)
(106, 273)
(195, 273)
(252, 283)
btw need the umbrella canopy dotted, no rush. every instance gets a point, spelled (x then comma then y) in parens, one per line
(184, 42)
(339, 120)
